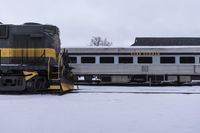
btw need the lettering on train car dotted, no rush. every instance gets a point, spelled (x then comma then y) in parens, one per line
(145, 53)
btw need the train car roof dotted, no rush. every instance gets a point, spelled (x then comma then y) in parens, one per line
(174, 49)
(162, 41)
(93, 47)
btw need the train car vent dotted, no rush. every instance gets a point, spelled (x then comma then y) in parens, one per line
(145, 69)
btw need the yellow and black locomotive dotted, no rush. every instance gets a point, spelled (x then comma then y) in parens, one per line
(31, 59)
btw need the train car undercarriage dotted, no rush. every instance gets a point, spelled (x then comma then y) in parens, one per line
(138, 80)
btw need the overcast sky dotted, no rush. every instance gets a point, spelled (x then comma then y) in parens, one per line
(120, 21)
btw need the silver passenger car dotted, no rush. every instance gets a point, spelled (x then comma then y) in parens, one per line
(137, 64)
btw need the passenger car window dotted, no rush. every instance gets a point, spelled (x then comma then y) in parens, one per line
(125, 60)
(187, 60)
(145, 60)
(106, 59)
(87, 59)
(73, 59)
(167, 60)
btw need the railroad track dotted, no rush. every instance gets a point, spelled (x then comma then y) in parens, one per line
(132, 92)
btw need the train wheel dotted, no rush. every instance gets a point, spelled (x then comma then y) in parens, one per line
(36, 84)
(41, 83)
(30, 86)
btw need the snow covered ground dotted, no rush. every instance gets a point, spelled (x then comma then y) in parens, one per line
(96, 111)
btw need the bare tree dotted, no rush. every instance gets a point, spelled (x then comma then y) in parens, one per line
(98, 41)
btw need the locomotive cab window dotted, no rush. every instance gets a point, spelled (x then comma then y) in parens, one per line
(187, 60)
(90, 60)
(167, 60)
(3, 31)
(73, 60)
(125, 60)
(145, 60)
(106, 59)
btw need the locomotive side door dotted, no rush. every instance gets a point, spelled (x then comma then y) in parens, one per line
(20, 44)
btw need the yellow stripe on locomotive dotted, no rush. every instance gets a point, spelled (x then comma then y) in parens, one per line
(28, 52)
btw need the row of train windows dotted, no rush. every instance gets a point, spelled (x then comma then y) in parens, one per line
(129, 60)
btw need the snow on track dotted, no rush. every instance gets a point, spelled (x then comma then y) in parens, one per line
(147, 90)
(102, 112)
